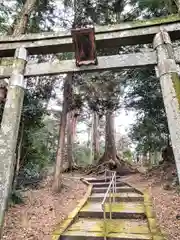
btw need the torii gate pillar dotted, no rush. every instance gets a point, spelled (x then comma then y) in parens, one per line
(10, 128)
(170, 85)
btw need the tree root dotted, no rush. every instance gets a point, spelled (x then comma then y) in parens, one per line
(120, 166)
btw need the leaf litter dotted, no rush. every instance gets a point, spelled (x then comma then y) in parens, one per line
(42, 210)
(166, 204)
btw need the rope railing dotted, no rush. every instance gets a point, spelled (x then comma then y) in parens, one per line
(110, 195)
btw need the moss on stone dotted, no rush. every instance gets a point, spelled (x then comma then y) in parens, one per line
(156, 21)
(154, 226)
(123, 226)
(150, 213)
(6, 61)
(147, 198)
(55, 237)
(158, 237)
(72, 216)
(140, 23)
(123, 206)
(176, 83)
(151, 217)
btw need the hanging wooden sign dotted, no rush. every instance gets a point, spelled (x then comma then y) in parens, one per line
(84, 44)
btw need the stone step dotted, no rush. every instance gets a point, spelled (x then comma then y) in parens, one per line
(83, 235)
(133, 210)
(123, 229)
(106, 184)
(123, 189)
(99, 180)
(123, 197)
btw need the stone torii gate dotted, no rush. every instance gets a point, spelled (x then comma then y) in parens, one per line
(164, 58)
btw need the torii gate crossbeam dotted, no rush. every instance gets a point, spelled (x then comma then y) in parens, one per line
(116, 62)
(131, 33)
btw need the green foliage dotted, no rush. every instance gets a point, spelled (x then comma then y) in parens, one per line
(101, 11)
(150, 132)
(144, 95)
(155, 8)
(15, 198)
(4, 14)
(82, 155)
(34, 154)
(127, 154)
(33, 150)
(105, 91)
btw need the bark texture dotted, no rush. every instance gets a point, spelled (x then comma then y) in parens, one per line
(57, 183)
(20, 23)
(110, 147)
(71, 130)
(96, 146)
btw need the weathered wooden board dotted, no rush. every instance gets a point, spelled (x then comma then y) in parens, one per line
(137, 32)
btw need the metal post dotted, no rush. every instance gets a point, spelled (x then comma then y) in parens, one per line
(170, 85)
(110, 205)
(105, 228)
(10, 127)
(113, 189)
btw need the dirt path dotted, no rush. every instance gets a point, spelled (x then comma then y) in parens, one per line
(166, 204)
(36, 219)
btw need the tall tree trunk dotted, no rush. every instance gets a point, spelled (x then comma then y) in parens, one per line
(20, 22)
(96, 136)
(89, 136)
(71, 129)
(74, 124)
(91, 152)
(110, 147)
(57, 182)
(144, 159)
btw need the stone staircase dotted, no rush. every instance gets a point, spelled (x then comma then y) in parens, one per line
(129, 216)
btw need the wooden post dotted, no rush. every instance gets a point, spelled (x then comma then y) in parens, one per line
(170, 85)
(10, 127)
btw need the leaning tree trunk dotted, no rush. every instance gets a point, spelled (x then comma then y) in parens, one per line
(95, 136)
(110, 147)
(22, 20)
(57, 182)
